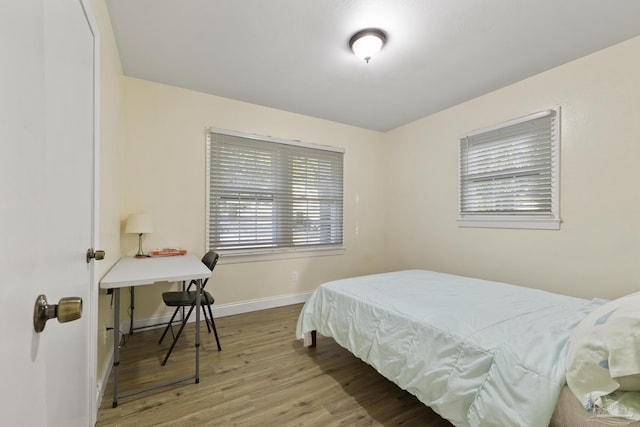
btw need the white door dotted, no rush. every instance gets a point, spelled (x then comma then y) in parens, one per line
(46, 213)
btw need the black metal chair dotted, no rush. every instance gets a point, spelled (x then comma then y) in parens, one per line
(187, 298)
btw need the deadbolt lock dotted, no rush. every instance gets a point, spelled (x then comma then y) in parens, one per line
(97, 255)
(67, 309)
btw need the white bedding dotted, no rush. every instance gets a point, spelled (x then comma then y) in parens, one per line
(603, 360)
(479, 353)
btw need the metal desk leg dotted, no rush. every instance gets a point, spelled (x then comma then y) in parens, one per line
(132, 294)
(116, 347)
(198, 304)
(116, 344)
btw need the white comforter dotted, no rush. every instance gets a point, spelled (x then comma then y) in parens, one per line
(479, 353)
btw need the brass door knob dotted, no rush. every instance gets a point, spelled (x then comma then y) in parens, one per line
(67, 309)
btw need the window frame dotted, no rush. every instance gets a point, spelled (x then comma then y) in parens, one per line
(527, 220)
(281, 248)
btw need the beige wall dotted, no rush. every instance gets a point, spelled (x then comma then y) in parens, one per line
(597, 250)
(109, 184)
(400, 187)
(164, 175)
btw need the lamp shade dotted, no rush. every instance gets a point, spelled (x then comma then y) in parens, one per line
(139, 224)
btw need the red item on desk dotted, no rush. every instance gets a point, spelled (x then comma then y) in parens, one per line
(168, 252)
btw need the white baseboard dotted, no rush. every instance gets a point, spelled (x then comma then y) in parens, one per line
(101, 386)
(223, 310)
(220, 310)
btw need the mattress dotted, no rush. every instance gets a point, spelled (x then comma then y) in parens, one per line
(569, 413)
(479, 353)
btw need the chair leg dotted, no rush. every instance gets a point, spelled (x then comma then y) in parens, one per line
(175, 339)
(206, 318)
(169, 325)
(213, 324)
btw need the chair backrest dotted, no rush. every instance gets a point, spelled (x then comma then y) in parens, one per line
(210, 259)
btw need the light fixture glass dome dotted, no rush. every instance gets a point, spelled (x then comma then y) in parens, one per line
(368, 42)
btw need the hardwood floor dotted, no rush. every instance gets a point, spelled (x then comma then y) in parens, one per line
(262, 377)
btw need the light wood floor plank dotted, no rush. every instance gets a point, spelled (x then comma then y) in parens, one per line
(262, 377)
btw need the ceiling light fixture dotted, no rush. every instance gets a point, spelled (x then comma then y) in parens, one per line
(366, 43)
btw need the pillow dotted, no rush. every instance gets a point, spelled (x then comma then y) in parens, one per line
(604, 351)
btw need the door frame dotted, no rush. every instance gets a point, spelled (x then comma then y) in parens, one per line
(94, 403)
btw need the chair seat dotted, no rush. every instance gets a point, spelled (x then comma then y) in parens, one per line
(186, 298)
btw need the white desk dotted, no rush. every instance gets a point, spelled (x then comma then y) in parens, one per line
(130, 271)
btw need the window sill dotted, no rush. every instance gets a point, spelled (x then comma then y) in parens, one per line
(531, 223)
(236, 257)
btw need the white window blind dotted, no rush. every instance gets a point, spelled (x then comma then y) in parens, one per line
(509, 174)
(266, 194)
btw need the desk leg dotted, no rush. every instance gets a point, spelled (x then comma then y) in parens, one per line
(198, 304)
(132, 294)
(116, 344)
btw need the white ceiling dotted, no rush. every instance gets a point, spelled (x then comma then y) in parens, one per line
(293, 55)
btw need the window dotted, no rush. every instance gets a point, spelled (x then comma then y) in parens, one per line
(509, 174)
(268, 195)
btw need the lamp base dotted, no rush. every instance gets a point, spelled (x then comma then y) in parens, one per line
(140, 254)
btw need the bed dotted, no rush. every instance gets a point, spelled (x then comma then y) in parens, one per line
(479, 353)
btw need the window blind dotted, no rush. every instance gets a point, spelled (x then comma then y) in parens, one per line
(511, 169)
(266, 194)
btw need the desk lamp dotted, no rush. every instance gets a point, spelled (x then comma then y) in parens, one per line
(139, 224)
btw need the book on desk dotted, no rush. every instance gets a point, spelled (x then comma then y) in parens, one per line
(168, 252)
